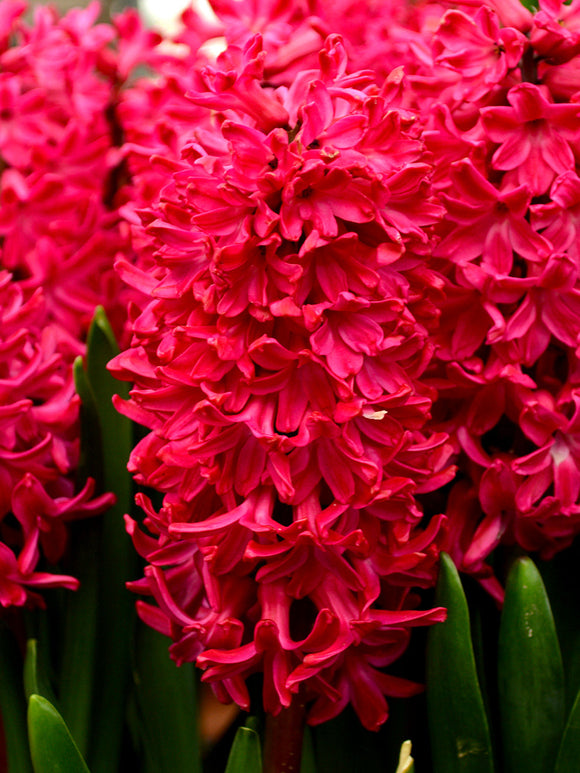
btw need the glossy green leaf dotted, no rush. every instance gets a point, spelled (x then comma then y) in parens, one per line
(118, 559)
(246, 754)
(13, 704)
(51, 745)
(166, 705)
(569, 753)
(458, 725)
(530, 674)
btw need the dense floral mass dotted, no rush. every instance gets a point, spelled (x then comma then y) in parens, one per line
(345, 239)
(279, 366)
(359, 280)
(60, 234)
(507, 351)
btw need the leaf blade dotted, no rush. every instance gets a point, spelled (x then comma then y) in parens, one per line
(118, 559)
(13, 704)
(246, 754)
(167, 705)
(458, 724)
(569, 751)
(530, 674)
(52, 747)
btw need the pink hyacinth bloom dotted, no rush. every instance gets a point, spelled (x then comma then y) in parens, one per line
(61, 176)
(556, 31)
(38, 446)
(506, 347)
(490, 223)
(534, 137)
(277, 360)
(511, 13)
(477, 48)
(15, 584)
(559, 220)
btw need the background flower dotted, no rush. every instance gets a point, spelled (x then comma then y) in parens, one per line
(60, 171)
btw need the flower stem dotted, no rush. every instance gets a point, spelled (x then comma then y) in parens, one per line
(283, 738)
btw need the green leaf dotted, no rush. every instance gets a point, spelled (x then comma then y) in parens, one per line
(246, 754)
(79, 640)
(35, 680)
(530, 674)
(308, 762)
(51, 745)
(13, 704)
(118, 558)
(115, 430)
(458, 725)
(166, 705)
(565, 602)
(569, 753)
(91, 457)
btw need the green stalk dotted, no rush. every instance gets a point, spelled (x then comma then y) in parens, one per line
(308, 764)
(77, 676)
(35, 679)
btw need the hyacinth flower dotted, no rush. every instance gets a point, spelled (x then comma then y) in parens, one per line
(346, 288)
(494, 85)
(278, 364)
(38, 450)
(49, 215)
(61, 174)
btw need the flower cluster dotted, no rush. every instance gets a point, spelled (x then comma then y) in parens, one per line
(60, 233)
(346, 274)
(38, 445)
(278, 364)
(497, 89)
(504, 135)
(356, 276)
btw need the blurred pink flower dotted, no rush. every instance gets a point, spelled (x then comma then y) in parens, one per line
(60, 185)
(38, 445)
